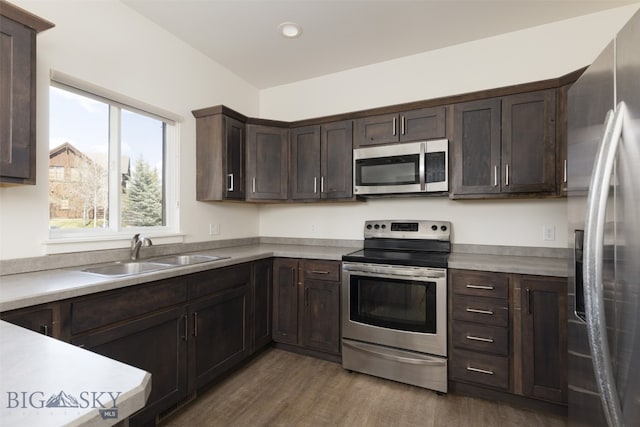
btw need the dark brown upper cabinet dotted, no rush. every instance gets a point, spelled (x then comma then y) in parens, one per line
(267, 163)
(18, 29)
(505, 146)
(321, 161)
(426, 123)
(220, 158)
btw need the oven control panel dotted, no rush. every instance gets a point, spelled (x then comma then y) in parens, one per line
(408, 229)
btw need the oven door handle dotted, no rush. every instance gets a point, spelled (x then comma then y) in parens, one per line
(410, 360)
(394, 272)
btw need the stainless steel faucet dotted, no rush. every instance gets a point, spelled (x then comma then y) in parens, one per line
(136, 243)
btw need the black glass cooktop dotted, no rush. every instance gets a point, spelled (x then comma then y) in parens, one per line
(395, 257)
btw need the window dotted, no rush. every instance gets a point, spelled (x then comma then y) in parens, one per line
(120, 165)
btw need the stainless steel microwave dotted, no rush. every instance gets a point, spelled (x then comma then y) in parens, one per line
(412, 167)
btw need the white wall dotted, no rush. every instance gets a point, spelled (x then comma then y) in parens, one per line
(538, 53)
(106, 43)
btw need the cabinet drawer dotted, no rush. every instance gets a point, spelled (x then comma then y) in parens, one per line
(111, 307)
(480, 368)
(322, 270)
(472, 336)
(490, 311)
(217, 280)
(478, 283)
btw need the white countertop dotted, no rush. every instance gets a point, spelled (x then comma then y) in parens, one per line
(29, 289)
(46, 382)
(39, 287)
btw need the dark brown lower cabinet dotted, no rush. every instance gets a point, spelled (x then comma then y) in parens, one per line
(508, 334)
(219, 337)
(285, 300)
(544, 338)
(262, 297)
(321, 328)
(155, 343)
(306, 305)
(186, 331)
(39, 319)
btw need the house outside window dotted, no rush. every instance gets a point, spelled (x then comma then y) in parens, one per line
(112, 167)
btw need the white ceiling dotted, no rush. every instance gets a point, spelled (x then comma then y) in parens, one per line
(337, 35)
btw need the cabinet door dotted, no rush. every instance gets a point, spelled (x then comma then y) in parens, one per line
(427, 123)
(157, 344)
(305, 163)
(219, 335)
(17, 103)
(528, 142)
(544, 337)
(235, 159)
(337, 160)
(262, 287)
(321, 316)
(476, 147)
(267, 163)
(285, 300)
(38, 319)
(376, 130)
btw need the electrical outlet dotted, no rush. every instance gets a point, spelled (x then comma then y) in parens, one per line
(214, 229)
(314, 228)
(549, 232)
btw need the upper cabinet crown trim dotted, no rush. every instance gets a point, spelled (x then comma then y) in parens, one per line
(15, 13)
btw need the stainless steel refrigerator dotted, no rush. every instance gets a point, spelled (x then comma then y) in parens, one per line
(603, 188)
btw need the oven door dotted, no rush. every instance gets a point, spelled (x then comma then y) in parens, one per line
(396, 306)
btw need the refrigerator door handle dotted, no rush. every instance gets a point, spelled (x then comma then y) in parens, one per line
(593, 265)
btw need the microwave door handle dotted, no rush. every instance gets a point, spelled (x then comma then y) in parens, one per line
(422, 166)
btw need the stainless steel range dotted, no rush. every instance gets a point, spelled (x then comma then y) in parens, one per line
(394, 302)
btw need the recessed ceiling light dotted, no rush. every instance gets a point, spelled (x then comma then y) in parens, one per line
(290, 30)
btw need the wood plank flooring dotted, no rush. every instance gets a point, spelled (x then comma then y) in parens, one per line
(280, 388)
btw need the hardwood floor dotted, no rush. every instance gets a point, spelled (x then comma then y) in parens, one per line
(280, 388)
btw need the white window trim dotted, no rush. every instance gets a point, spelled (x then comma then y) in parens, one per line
(70, 240)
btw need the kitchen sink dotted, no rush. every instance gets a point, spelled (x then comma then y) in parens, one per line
(187, 259)
(128, 268)
(120, 268)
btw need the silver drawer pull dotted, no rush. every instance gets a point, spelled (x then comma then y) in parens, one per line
(480, 371)
(475, 310)
(484, 287)
(473, 338)
(319, 272)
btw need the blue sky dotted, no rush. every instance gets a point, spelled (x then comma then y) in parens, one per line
(84, 123)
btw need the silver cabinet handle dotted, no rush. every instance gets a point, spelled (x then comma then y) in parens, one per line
(322, 184)
(474, 338)
(253, 184)
(495, 176)
(195, 323)
(402, 125)
(475, 310)
(394, 126)
(185, 336)
(506, 174)
(564, 173)
(44, 329)
(593, 254)
(483, 287)
(480, 371)
(319, 272)
(230, 176)
(315, 185)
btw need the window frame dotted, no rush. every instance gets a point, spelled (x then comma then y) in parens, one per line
(170, 169)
